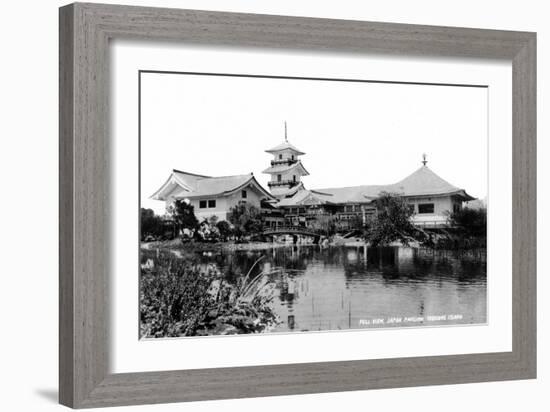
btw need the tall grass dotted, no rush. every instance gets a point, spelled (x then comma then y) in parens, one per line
(182, 299)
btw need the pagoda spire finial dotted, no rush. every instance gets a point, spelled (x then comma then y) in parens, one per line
(424, 161)
(286, 136)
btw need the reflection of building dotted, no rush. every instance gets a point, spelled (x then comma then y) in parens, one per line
(289, 202)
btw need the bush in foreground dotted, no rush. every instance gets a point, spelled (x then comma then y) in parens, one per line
(178, 299)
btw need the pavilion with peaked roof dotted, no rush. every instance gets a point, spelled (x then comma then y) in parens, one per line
(211, 196)
(289, 202)
(430, 197)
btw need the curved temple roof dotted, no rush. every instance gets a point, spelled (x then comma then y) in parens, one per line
(183, 184)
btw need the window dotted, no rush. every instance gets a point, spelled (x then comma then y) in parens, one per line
(457, 207)
(426, 208)
(202, 204)
(244, 194)
(280, 156)
(292, 157)
(212, 203)
(294, 178)
(279, 178)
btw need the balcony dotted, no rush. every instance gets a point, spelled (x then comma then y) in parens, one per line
(283, 162)
(289, 183)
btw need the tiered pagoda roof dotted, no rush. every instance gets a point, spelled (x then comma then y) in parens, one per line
(286, 167)
(285, 146)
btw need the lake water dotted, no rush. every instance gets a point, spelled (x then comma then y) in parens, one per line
(363, 287)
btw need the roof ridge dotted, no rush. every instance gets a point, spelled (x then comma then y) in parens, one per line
(317, 192)
(227, 176)
(351, 187)
(188, 173)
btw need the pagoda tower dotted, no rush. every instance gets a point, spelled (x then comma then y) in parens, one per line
(286, 169)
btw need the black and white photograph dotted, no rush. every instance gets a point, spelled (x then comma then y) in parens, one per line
(286, 204)
(275, 205)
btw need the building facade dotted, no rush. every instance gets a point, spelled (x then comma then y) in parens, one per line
(289, 203)
(431, 198)
(211, 196)
(286, 169)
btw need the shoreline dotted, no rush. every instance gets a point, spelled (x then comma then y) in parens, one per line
(177, 245)
(218, 246)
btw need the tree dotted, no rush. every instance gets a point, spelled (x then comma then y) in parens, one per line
(391, 222)
(324, 224)
(224, 228)
(471, 222)
(246, 219)
(183, 214)
(151, 225)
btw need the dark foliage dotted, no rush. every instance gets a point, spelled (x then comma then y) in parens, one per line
(183, 214)
(225, 229)
(153, 226)
(179, 299)
(391, 222)
(246, 219)
(471, 222)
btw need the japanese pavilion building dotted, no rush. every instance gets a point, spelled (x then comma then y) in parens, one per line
(289, 202)
(211, 196)
(431, 198)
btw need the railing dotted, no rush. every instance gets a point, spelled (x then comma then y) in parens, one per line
(432, 223)
(290, 183)
(282, 162)
(290, 229)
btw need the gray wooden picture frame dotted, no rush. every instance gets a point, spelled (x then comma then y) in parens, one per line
(85, 31)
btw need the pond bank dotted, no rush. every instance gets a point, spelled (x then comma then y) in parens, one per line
(178, 247)
(177, 244)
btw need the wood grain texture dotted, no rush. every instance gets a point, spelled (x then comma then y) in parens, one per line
(66, 108)
(85, 31)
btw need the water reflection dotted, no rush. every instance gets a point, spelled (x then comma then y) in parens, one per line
(342, 288)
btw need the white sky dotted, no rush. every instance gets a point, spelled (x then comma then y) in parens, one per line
(352, 133)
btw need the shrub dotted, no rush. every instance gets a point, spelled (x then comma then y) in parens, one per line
(225, 229)
(183, 214)
(151, 224)
(471, 222)
(391, 222)
(179, 299)
(246, 219)
(174, 298)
